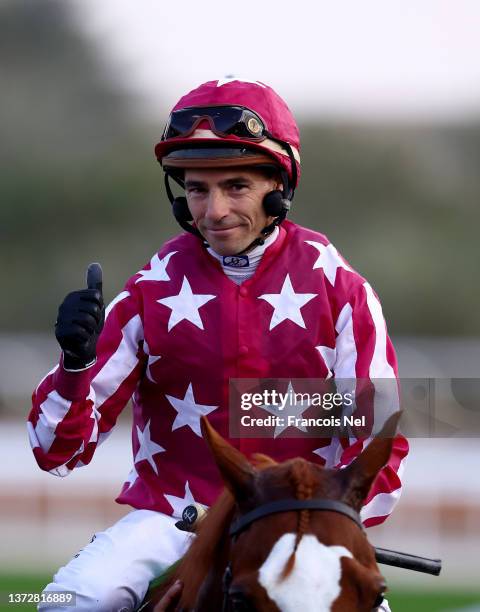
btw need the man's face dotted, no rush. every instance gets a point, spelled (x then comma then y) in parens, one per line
(226, 206)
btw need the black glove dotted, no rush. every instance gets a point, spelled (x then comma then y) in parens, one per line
(80, 321)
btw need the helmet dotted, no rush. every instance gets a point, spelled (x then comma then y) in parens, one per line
(231, 122)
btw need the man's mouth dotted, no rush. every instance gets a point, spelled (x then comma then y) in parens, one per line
(221, 230)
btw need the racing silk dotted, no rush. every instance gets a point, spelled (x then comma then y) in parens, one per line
(176, 335)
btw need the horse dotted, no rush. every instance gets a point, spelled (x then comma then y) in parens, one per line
(284, 536)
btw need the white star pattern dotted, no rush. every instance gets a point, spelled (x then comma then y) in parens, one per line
(132, 477)
(292, 408)
(231, 78)
(331, 453)
(287, 304)
(329, 356)
(150, 361)
(329, 260)
(158, 269)
(189, 412)
(179, 503)
(148, 448)
(185, 306)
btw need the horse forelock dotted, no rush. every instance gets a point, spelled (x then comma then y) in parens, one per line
(301, 571)
(304, 481)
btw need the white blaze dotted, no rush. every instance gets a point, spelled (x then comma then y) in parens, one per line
(314, 583)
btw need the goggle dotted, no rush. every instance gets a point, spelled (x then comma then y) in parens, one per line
(223, 121)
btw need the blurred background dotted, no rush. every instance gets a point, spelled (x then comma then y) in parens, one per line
(387, 95)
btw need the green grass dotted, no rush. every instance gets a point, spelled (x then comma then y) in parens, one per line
(400, 600)
(427, 601)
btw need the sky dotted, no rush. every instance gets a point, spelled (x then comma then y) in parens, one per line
(368, 60)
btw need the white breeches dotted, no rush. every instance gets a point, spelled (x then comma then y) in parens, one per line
(112, 573)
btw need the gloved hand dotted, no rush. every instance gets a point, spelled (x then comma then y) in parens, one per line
(80, 320)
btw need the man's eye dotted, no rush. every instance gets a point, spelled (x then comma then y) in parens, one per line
(238, 186)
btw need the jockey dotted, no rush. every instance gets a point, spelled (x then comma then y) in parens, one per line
(242, 293)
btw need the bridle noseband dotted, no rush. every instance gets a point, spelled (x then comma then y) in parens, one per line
(283, 505)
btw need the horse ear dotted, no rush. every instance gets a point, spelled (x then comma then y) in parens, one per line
(237, 473)
(358, 477)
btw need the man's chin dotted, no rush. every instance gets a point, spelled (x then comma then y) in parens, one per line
(226, 249)
(225, 242)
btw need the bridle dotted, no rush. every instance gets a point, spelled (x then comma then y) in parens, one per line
(275, 507)
(288, 505)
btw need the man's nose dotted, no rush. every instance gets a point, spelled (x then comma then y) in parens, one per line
(217, 205)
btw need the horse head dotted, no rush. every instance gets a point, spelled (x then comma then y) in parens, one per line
(265, 547)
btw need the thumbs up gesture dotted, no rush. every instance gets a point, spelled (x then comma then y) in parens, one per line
(80, 320)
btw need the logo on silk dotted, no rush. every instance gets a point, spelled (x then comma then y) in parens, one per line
(190, 514)
(236, 261)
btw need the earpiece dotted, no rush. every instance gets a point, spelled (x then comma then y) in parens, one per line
(277, 203)
(180, 209)
(273, 203)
